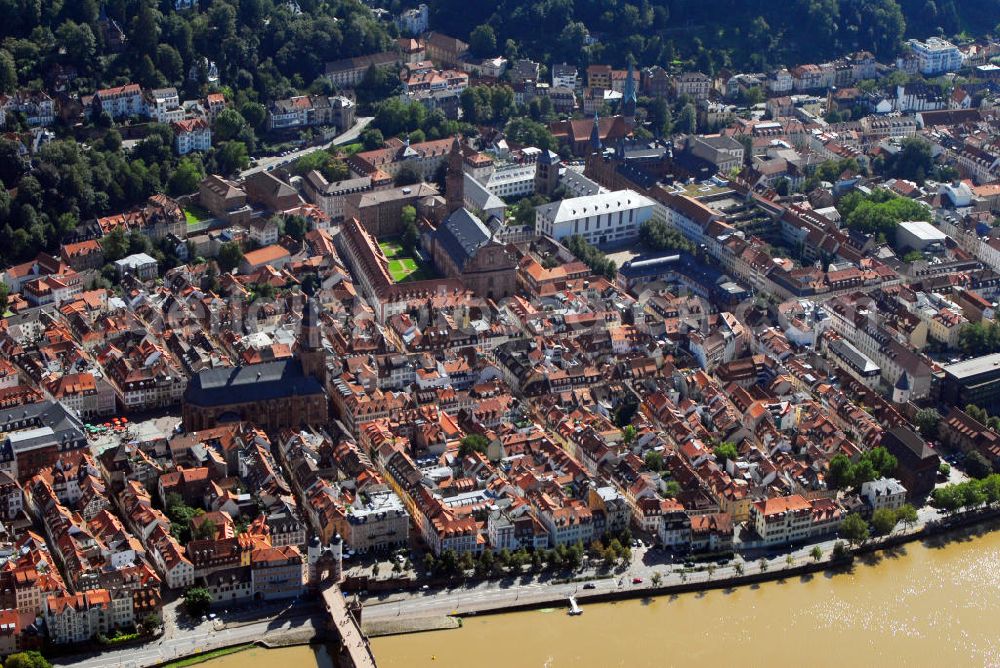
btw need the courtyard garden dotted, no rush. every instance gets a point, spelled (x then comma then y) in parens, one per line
(405, 265)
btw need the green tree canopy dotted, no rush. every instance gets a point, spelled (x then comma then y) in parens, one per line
(854, 529)
(186, 177)
(875, 463)
(197, 601)
(483, 41)
(473, 443)
(656, 234)
(232, 157)
(725, 451)
(883, 521)
(30, 659)
(230, 256)
(880, 212)
(527, 132)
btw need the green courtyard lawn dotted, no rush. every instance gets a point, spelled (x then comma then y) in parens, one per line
(194, 213)
(391, 248)
(403, 267)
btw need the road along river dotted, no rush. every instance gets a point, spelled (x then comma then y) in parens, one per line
(934, 604)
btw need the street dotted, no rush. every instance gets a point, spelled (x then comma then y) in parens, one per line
(351, 135)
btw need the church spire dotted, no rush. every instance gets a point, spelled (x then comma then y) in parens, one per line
(595, 135)
(629, 98)
(312, 356)
(455, 178)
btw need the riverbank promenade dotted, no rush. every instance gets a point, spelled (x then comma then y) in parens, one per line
(646, 577)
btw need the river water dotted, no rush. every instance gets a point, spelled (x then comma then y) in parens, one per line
(921, 606)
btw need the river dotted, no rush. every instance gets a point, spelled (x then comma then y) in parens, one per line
(919, 606)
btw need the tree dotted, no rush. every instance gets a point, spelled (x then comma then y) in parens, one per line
(228, 124)
(947, 498)
(927, 421)
(653, 459)
(530, 133)
(726, 451)
(483, 41)
(738, 568)
(839, 552)
(186, 177)
(762, 564)
(372, 139)
(296, 227)
(628, 434)
(789, 561)
(30, 659)
(197, 601)
(263, 290)
(907, 514)
(975, 339)
(816, 553)
(115, 244)
(657, 235)
(408, 215)
(876, 463)
(170, 63)
(230, 256)
(79, 42)
(880, 212)
(150, 623)
(687, 120)
(8, 73)
(978, 466)
(410, 238)
(589, 255)
(448, 562)
(4, 298)
(254, 113)
(656, 579)
(473, 443)
(883, 521)
(838, 474)
(232, 156)
(913, 161)
(883, 461)
(660, 117)
(990, 486)
(854, 529)
(524, 212)
(672, 489)
(783, 186)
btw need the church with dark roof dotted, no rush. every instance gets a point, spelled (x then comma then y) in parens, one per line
(466, 248)
(272, 395)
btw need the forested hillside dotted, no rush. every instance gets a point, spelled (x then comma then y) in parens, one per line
(258, 45)
(745, 34)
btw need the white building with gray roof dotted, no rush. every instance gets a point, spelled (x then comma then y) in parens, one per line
(601, 219)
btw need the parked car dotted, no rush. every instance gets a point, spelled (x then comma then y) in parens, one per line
(637, 581)
(590, 585)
